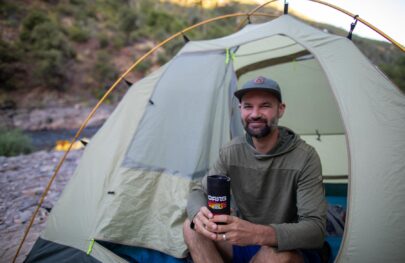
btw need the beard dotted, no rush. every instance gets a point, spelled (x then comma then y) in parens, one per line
(262, 132)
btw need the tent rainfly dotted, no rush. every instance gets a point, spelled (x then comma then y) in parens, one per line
(133, 180)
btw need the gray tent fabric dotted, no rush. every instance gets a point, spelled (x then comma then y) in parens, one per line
(133, 180)
(198, 93)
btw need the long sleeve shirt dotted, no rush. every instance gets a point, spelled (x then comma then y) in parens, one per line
(282, 188)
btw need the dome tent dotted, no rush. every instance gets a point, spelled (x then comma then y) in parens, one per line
(132, 182)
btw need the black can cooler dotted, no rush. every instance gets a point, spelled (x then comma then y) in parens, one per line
(219, 194)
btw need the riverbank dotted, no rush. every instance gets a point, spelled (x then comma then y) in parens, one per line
(53, 118)
(46, 126)
(22, 181)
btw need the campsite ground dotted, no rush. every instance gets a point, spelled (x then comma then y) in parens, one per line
(23, 178)
(22, 181)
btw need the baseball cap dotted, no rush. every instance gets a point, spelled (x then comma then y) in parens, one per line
(260, 83)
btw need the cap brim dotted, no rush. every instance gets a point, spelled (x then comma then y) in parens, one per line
(240, 93)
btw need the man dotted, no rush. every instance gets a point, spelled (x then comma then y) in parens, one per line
(276, 184)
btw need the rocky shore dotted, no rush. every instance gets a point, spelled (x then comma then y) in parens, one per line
(22, 181)
(23, 178)
(53, 118)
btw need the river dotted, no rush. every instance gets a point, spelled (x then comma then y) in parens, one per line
(46, 139)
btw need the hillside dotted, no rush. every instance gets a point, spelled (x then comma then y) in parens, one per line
(60, 52)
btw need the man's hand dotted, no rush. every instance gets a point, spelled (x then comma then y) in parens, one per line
(234, 230)
(204, 225)
(241, 232)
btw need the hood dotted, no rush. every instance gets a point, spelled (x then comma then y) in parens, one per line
(287, 141)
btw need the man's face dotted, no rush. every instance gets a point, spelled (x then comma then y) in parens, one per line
(260, 111)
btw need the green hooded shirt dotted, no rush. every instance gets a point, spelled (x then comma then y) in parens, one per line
(282, 188)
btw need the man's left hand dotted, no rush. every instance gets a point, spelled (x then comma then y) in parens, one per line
(241, 232)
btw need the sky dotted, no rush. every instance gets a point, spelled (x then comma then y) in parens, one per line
(386, 15)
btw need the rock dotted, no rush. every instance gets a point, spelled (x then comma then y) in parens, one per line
(33, 191)
(28, 204)
(24, 217)
(22, 181)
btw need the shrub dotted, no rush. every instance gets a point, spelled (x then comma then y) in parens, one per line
(104, 72)
(11, 76)
(48, 36)
(162, 58)
(11, 69)
(396, 72)
(34, 19)
(103, 40)
(118, 40)
(50, 69)
(46, 44)
(144, 66)
(9, 53)
(77, 2)
(140, 34)
(10, 13)
(78, 34)
(128, 20)
(66, 9)
(173, 47)
(164, 21)
(40, 33)
(14, 142)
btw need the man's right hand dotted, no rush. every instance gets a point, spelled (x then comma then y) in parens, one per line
(203, 225)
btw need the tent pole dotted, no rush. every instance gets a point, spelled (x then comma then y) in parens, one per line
(395, 43)
(106, 94)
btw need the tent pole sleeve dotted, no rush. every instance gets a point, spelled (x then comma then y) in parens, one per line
(90, 248)
(254, 12)
(352, 26)
(285, 7)
(93, 111)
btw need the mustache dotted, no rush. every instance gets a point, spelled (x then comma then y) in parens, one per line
(261, 119)
(271, 123)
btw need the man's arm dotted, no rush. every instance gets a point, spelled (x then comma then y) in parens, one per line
(196, 200)
(308, 232)
(311, 209)
(198, 195)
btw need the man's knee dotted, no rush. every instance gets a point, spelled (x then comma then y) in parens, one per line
(201, 248)
(269, 254)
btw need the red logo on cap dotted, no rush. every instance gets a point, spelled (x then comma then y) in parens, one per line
(259, 80)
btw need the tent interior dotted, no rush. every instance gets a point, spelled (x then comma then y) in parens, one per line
(311, 111)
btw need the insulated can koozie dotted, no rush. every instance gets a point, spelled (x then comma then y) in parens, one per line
(219, 194)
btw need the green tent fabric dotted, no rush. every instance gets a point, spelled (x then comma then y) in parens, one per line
(132, 182)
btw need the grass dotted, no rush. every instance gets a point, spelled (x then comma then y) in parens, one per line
(14, 142)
